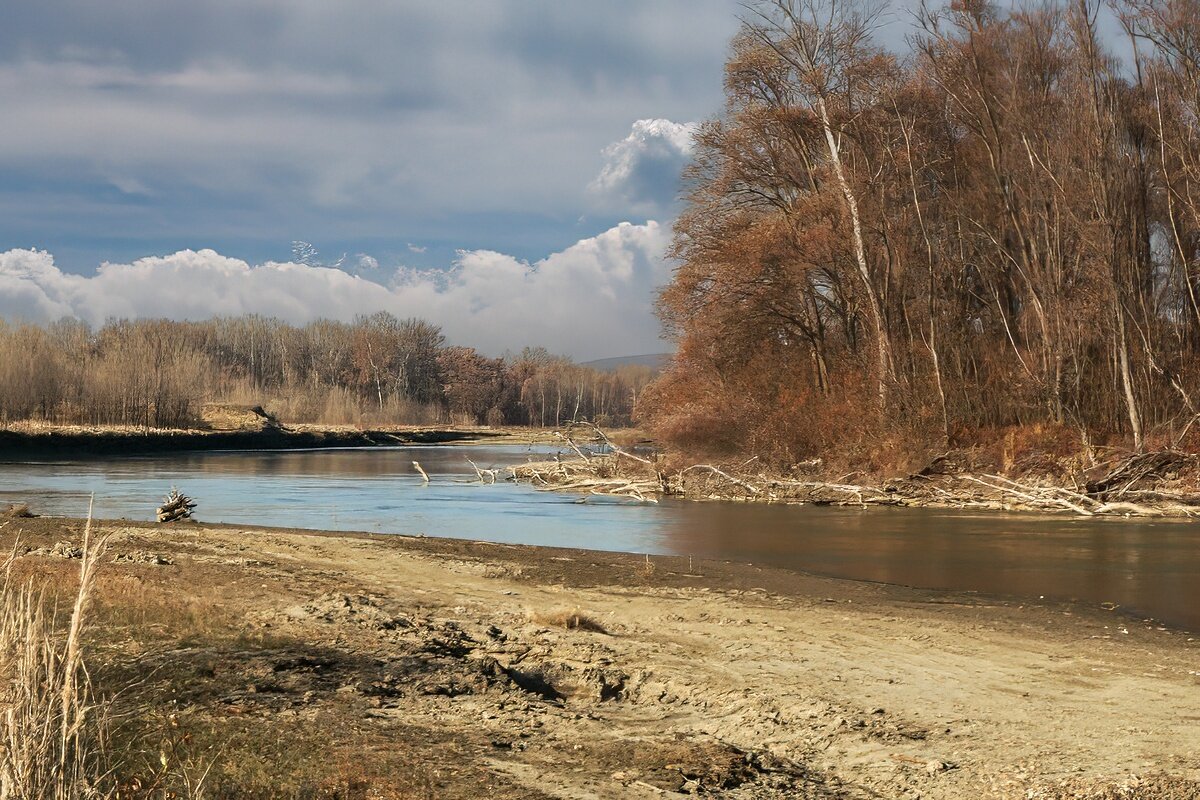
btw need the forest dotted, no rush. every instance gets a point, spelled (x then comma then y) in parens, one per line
(376, 370)
(991, 231)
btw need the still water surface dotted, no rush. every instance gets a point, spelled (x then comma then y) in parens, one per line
(1150, 568)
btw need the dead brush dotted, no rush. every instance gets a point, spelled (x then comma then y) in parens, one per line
(52, 733)
(645, 569)
(17, 511)
(572, 619)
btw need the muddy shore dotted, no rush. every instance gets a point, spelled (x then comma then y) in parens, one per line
(77, 443)
(319, 664)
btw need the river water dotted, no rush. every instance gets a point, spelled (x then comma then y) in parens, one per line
(1149, 568)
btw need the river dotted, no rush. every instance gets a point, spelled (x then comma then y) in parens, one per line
(1147, 568)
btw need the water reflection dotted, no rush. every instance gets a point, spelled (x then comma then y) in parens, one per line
(1151, 567)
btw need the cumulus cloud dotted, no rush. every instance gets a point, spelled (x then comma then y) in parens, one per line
(591, 300)
(642, 170)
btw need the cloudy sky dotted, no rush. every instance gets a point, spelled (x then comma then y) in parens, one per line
(474, 161)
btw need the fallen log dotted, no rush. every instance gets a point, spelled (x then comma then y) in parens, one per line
(585, 476)
(1116, 492)
(1135, 468)
(1037, 497)
(484, 475)
(176, 506)
(612, 447)
(720, 473)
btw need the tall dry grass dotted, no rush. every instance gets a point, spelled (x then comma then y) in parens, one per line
(52, 731)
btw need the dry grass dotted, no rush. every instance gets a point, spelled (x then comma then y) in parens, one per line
(573, 619)
(49, 427)
(17, 511)
(645, 570)
(52, 734)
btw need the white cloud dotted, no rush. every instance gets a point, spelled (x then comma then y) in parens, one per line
(591, 300)
(642, 170)
(413, 248)
(367, 262)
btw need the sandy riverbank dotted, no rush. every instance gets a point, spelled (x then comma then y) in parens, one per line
(294, 662)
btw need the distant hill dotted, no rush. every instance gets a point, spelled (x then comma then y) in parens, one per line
(656, 361)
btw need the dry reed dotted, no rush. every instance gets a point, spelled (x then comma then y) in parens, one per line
(52, 733)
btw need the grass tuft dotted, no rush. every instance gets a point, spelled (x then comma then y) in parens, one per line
(17, 511)
(572, 619)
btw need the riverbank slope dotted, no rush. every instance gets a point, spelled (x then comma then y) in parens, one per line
(308, 664)
(20, 442)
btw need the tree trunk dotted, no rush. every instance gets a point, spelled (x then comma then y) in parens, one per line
(860, 256)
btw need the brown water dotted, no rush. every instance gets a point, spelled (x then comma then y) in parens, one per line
(1150, 569)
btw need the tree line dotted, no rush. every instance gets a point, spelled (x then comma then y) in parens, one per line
(997, 228)
(375, 370)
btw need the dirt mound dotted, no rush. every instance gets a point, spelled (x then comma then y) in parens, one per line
(357, 609)
(702, 766)
(58, 550)
(228, 417)
(560, 679)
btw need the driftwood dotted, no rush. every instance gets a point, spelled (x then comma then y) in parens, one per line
(586, 476)
(835, 493)
(571, 444)
(945, 483)
(601, 437)
(1048, 498)
(1125, 474)
(614, 448)
(1100, 502)
(620, 472)
(484, 475)
(720, 474)
(176, 506)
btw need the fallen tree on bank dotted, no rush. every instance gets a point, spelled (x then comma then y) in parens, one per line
(176, 506)
(1144, 484)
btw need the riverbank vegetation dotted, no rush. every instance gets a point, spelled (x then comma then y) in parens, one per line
(53, 731)
(986, 242)
(377, 370)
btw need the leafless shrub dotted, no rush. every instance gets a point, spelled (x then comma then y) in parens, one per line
(645, 569)
(17, 511)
